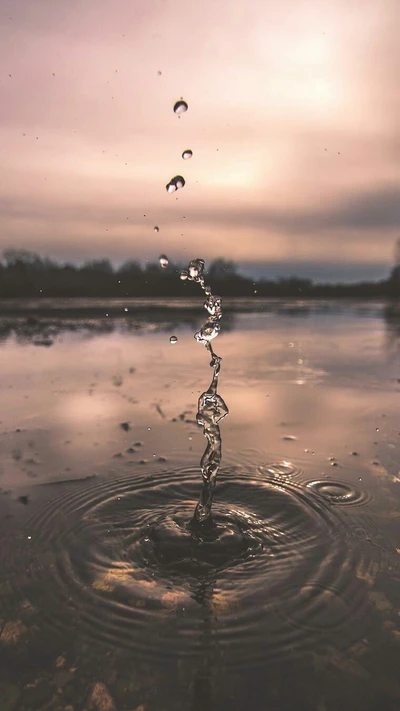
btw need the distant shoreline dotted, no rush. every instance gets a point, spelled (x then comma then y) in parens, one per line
(25, 275)
(170, 300)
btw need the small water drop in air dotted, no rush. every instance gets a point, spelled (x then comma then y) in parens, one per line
(195, 269)
(175, 183)
(156, 228)
(183, 275)
(163, 259)
(173, 340)
(180, 107)
(187, 154)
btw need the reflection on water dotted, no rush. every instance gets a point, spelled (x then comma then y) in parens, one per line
(99, 440)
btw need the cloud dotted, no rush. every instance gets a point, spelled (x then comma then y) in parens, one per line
(293, 121)
(369, 210)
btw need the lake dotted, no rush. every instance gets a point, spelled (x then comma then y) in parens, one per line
(100, 449)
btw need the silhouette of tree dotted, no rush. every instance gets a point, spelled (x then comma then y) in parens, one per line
(222, 269)
(99, 265)
(14, 257)
(24, 273)
(394, 279)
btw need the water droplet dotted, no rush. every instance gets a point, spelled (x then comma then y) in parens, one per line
(377, 429)
(195, 269)
(209, 331)
(173, 340)
(163, 259)
(183, 275)
(125, 309)
(187, 154)
(156, 228)
(291, 345)
(175, 184)
(159, 72)
(180, 107)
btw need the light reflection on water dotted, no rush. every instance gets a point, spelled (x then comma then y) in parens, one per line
(313, 396)
(322, 383)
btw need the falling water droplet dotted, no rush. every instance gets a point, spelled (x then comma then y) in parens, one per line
(163, 259)
(183, 275)
(175, 184)
(173, 340)
(156, 228)
(209, 331)
(187, 154)
(195, 269)
(180, 107)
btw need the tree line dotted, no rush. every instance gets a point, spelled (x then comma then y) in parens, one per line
(27, 274)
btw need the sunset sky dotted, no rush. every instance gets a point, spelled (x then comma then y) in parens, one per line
(293, 120)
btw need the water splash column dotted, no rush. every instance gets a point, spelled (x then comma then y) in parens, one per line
(211, 407)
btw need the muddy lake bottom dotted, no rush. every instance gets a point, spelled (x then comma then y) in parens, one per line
(108, 602)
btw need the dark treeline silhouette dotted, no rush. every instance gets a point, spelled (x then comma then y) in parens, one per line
(26, 274)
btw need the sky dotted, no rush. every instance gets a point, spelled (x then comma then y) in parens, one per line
(293, 119)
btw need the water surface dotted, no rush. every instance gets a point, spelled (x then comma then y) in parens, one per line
(99, 441)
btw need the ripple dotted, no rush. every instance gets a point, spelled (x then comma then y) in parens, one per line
(118, 561)
(280, 470)
(339, 493)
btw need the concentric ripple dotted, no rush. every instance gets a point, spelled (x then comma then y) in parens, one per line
(120, 562)
(339, 492)
(281, 470)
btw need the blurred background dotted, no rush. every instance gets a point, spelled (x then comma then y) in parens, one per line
(293, 124)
